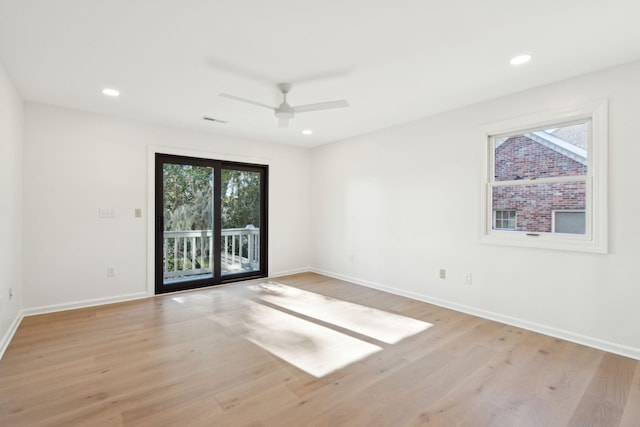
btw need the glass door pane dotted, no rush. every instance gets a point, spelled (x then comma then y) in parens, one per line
(241, 218)
(188, 210)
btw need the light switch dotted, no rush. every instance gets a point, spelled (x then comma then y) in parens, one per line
(106, 213)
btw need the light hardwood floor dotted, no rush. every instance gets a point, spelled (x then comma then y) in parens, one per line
(305, 350)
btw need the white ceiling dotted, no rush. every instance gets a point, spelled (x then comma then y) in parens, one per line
(394, 61)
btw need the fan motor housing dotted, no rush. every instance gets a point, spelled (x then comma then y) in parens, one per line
(284, 111)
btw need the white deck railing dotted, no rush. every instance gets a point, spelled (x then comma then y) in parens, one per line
(188, 253)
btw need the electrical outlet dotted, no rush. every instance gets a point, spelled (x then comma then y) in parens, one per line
(443, 273)
(467, 279)
(137, 213)
(111, 271)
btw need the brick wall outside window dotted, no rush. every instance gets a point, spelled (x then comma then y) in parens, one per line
(520, 158)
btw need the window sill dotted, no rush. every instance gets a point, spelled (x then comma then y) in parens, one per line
(551, 241)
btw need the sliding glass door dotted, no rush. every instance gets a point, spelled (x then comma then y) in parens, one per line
(211, 223)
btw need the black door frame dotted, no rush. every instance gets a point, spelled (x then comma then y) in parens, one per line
(217, 278)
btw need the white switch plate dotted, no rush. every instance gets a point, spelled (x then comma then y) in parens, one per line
(106, 213)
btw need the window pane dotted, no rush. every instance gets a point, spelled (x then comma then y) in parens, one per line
(240, 250)
(570, 222)
(505, 220)
(548, 153)
(534, 204)
(188, 219)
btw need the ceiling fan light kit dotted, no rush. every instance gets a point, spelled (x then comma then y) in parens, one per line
(285, 112)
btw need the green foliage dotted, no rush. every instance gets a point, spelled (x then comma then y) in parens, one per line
(188, 194)
(188, 198)
(240, 198)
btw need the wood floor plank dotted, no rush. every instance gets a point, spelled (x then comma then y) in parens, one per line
(605, 399)
(455, 407)
(191, 359)
(322, 407)
(631, 413)
(594, 412)
(396, 398)
(613, 379)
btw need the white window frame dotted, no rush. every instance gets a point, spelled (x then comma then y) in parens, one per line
(595, 238)
(505, 210)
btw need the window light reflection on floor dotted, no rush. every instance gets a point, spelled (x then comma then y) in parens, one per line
(380, 325)
(313, 348)
(291, 333)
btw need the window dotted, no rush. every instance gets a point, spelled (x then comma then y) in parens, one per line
(544, 180)
(504, 220)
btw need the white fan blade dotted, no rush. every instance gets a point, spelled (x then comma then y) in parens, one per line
(248, 101)
(320, 106)
(283, 123)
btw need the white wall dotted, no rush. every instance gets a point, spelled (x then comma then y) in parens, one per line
(391, 208)
(77, 162)
(11, 111)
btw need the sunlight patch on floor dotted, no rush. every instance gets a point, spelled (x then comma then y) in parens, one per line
(380, 325)
(297, 326)
(180, 300)
(310, 347)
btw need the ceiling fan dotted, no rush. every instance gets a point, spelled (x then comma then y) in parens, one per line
(284, 112)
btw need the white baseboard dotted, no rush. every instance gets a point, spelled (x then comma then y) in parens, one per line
(290, 272)
(83, 304)
(599, 344)
(8, 336)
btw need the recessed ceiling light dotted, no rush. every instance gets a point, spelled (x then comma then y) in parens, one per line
(110, 92)
(520, 59)
(307, 132)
